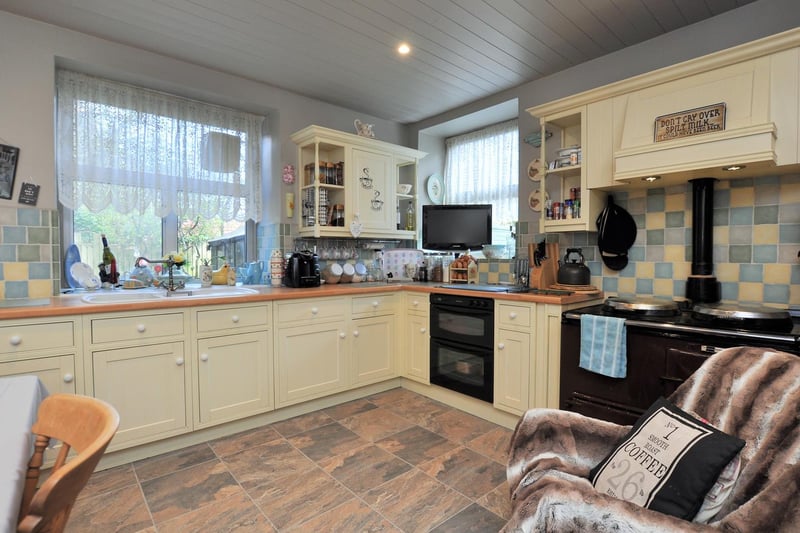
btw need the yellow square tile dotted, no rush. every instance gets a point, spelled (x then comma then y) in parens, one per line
(727, 272)
(674, 253)
(681, 270)
(645, 269)
(743, 197)
(15, 271)
(656, 220)
(2, 289)
(675, 202)
(751, 292)
(790, 193)
(662, 287)
(777, 273)
(794, 295)
(721, 235)
(626, 286)
(765, 234)
(40, 288)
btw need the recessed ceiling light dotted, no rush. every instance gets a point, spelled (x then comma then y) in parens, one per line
(733, 168)
(403, 49)
(651, 179)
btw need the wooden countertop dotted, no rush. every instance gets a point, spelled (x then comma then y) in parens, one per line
(71, 304)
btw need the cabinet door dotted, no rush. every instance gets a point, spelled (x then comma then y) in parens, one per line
(371, 187)
(373, 349)
(148, 387)
(511, 371)
(56, 373)
(417, 348)
(309, 362)
(234, 377)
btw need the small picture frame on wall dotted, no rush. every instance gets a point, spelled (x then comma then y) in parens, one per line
(8, 170)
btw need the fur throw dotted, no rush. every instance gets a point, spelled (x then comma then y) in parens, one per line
(753, 393)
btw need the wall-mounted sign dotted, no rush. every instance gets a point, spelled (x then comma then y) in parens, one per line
(697, 121)
(29, 193)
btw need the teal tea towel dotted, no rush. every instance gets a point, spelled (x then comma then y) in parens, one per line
(603, 345)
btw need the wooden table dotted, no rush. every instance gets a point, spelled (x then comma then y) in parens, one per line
(20, 397)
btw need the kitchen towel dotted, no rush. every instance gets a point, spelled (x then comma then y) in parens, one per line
(603, 345)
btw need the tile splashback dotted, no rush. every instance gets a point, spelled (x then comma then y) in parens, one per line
(30, 259)
(756, 242)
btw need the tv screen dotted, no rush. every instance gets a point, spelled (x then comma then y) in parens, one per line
(456, 227)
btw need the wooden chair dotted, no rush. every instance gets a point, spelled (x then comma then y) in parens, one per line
(82, 424)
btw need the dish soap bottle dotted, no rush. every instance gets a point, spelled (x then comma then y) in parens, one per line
(410, 218)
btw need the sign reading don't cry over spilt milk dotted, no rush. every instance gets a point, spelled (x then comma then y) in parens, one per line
(697, 121)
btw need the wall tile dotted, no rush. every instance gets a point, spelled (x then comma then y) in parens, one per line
(14, 235)
(765, 253)
(29, 217)
(740, 235)
(789, 213)
(663, 270)
(741, 216)
(675, 219)
(751, 273)
(789, 233)
(740, 254)
(767, 214)
(16, 289)
(766, 234)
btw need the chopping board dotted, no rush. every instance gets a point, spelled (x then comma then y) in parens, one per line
(543, 270)
(582, 289)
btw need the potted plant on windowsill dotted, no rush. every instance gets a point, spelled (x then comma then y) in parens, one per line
(206, 273)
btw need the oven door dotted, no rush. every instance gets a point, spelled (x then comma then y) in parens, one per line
(463, 368)
(463, 325)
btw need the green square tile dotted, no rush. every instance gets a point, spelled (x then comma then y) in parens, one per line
(766, 214)
(675, 219)
(740, 254)
(655, 237)
(29, 252)
(38, 235)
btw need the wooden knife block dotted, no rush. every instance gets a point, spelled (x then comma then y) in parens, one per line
(544, 275)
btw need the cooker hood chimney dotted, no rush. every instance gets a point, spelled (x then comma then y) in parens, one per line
(702, 286)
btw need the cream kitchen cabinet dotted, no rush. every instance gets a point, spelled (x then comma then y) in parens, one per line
(46, 348)
(138, 363)
(352, 175)
(372, 337)
(415, 338)
(233, 362)
(567, 183)
(512, 356)
(310, 349)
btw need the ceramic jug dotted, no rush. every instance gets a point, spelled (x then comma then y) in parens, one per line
(254, 272)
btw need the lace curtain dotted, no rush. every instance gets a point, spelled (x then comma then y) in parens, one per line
(482, 167)
(140, 150)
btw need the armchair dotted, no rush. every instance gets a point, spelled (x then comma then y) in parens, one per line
(752, 393)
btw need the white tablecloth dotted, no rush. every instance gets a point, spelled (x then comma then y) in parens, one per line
(20, 397)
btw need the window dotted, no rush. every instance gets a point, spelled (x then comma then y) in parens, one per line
(482, 167)
(153, 171)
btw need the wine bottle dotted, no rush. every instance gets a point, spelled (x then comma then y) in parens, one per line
(109, 262)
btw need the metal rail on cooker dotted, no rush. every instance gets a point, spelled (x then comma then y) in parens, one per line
(678, 328)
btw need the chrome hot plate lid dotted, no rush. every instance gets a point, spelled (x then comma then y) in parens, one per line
(641, 306)
(739, 312)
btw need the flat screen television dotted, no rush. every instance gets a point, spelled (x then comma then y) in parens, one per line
(456, 227)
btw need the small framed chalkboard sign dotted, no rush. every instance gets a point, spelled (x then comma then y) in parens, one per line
(8, 170)
(29, 193)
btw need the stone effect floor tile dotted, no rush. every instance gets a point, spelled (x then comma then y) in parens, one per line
(391, 462)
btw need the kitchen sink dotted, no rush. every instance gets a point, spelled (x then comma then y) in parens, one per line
(150, 295)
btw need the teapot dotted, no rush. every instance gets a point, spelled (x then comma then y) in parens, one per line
(573, 272)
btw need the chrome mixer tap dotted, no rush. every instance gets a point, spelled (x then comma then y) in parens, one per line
(170, 263)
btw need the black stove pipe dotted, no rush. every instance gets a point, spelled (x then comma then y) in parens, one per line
(702, 286)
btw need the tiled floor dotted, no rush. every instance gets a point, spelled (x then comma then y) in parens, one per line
(395, 461)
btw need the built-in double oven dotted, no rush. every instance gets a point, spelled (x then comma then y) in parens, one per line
(462, 344)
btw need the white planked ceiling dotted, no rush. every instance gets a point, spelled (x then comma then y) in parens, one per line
(343, 51)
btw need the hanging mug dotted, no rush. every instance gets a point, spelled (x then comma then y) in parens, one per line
(377, 203)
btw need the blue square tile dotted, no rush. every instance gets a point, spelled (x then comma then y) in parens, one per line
(789, 234)
(610, 284)
(629, 271)
(767, 194)
(754, 273)
(679, 288)
(765, 253)
(741, 216)
(729, 290)
(28, 217)
(655, 202)
(722, 198)
(740, 254)
(640, 220)
(2, 272)
(16, 289)
(636, 253)
(789, 214)
(776, 293)
(795, 275)
(595, 267)
(8, 252)
(644, 286)
(637, 206)
(674, 236)
(675, 219)
(766, 180)
(39, 270)
(741, 183)
(15, 235)
(663, 270)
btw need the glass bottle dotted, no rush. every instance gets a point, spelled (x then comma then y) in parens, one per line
(410, 218)
(109, 262)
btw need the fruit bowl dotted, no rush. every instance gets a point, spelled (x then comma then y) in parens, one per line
(493, 251)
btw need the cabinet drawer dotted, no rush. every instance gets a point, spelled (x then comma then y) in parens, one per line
(374, 304)
(137, 327)
(215, 320)
(513, 315)
(417, 303)
(35, 337)
(310, 309)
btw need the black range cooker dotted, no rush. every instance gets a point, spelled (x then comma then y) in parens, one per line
(666, 342)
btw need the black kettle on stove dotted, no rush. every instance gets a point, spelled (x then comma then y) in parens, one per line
(573, 272)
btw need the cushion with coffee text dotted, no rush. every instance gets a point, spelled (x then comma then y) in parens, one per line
(667, 463)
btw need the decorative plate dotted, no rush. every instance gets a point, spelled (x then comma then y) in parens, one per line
(535, 169)
(535, 200)
(72, 256)
(435, 186)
